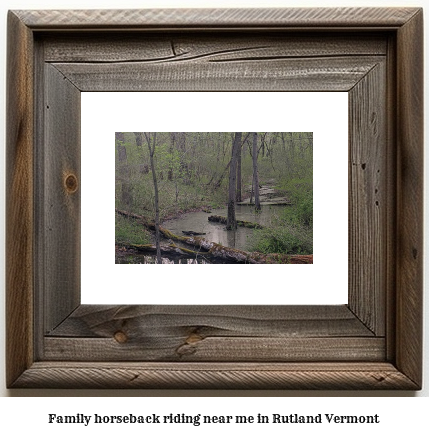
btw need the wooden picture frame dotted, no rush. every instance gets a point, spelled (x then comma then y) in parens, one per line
(373, 342)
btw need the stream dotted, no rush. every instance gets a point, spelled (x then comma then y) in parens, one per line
(215, 232)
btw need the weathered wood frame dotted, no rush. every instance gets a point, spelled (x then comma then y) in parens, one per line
(374, 342)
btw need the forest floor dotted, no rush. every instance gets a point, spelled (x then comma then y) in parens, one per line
(268, 196)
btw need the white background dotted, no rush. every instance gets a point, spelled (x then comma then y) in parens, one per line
(323, 113)
(401, 414)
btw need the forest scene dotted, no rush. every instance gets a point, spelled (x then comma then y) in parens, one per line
(214, 197)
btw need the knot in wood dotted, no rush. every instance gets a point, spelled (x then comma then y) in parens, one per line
(120, 337)
(71, 183)
(193, 338)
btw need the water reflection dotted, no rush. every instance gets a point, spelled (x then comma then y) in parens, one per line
(215, 232)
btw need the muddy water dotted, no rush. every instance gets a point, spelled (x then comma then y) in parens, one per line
(215, 232)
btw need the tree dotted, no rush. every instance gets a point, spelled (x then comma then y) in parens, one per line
(119, 136)
(123, 171)
(201, 170)
(239, 193)
(151, 145)
(236, 149)
(255, 171)
(239, 172)
(139, 138)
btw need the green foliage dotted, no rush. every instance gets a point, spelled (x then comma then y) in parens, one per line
(283, 238)
(300, 192)
(292, 231)
(193, 174)
(128, 231)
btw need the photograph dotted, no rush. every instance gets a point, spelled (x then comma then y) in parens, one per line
(262, 137)
(214, 197)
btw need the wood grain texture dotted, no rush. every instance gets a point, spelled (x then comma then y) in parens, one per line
(206, 18)
(409, 265)
(105, 375)
(213, 333)
(19, 200)
(368, 202)
(99, 321)
(301, 74)
(391, 191)
(173, 47)
(39, 152)
(61, 187)
(176, 347)
(193, 347)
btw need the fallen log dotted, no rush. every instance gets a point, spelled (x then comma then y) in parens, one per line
(300, 259)
(216, 250)
(266, 203)
(223, 220)
(192, 233)
(172, 250)
(220, 251)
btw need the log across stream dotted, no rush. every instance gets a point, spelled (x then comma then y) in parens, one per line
(213, 224)
(206, 248)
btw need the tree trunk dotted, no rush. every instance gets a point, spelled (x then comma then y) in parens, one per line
(119, 136)
(232, 223)
(238, 196)
(181, 140)
(155, 187)
(123, 175)
(219, 182)
(172, 146)
(255, 171)
(171, 250)
(139, 138)
(220, 251)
